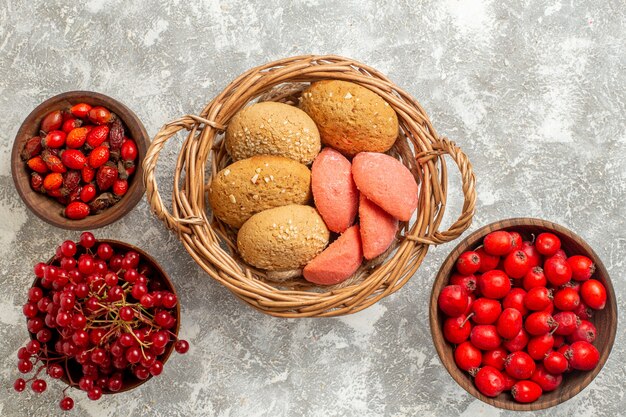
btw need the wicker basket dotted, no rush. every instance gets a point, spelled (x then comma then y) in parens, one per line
(213, 244)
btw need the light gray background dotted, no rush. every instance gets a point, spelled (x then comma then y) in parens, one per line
(533, 91)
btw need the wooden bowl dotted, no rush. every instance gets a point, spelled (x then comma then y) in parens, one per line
(157, 275)
(605, 320)
(49, 209)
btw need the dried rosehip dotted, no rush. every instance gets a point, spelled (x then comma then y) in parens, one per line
(53, 162)
(129, 150)
(103, 201)
(116, 135)
(100, 115)
(76, 210)
(53, 181)
(37, 164)
(73, 159)
(52, 121)
(97, 136)
(36, 181)
(32, 148)
(99, 156)
(105, 177)
(54, 139)
(80, 110)
(71, 180)
(88, 174)
(120, 187)
(70, 124)
(77, 137)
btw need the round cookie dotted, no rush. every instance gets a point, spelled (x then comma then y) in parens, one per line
(255, 184)
(282, 238)
(271, 128)
(350, 118)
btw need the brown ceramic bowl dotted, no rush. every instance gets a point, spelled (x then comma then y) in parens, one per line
(605, 320)
(158, 275)
(48, 209)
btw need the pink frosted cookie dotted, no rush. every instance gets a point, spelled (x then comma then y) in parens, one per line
(378, 228)
(337, 262)
(386, 182)
(334, 191)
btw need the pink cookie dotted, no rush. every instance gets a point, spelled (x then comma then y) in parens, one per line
(386, 182)
(378, 228)
(338, 262)
(334, 191)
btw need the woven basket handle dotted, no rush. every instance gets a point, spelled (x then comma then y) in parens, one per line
(468, 181)
(188, 122)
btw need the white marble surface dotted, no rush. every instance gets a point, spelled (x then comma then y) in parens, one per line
(533, 91)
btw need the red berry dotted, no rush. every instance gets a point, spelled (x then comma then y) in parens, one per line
(495, 358)
(129, 152)
(95, 393)
(76, 210)
(19, 385)
(566, 299)
(515, 299)
(76, 137)
(87, 240)
(494, 284)
(516, 264)
(181, 346)
(120, 187)
(487, 261)
(509, 323)
(558, 271)
(456, 329)
(127, 313)
(33, 347)
(583, 356)
(133, 354)
(519, 365)
(453, 300)
(547, 244)
(99, 156)
(466, 281)
(467, 357)
(54, 139)
(115, 383)
(547, 381)
(169, 300)
(30, 310)
(593, 294)
(567, 323)
(539, 346)
(73, 159)
(526, 391)
(80, 110)
(157, 368)
(486, 311)
(538, 298)
(489, 381)
(534, 278)
(498, 243)
(534, 257)
(582, 267)
(467, 264)
(539, 323)
(585, 331)
(105, 251)
(555, 363)
(38, 386)
(55, 371)
(52, 121)
(66, 404)
(99, 115)
(485, 337)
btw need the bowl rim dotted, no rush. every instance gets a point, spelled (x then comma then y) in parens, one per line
(169, 283)
(19, 172)
(442, 277)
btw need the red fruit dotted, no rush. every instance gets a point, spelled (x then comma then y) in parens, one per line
(76, 210)
(54, 139)
(37, 164)
(99, 115)
(487, 261)
(88, 193)
(455, 329)
(583, 356)
(593, 294)
(495, 358)
(539, 323)
(485, 337)
(547, 244)
(452, 300)
(53, 181)
(518, 343)
(509, 323)
(489, 381)
(538, 298)
(88, 174)
(498, 243)
(73, 159)
(517, 240)
(467, 357)
(555, 363)
(586, 331)
(566, 299)
(534, 257)
(97, 136)
(558, 271)
(494, 284)
(519, 365)
(53, 162)
(558, 341)
(509, 381)
(71, 180)
(515, 299)
(526, 391)
(547, 381)
(582, 267)
(516, 264)
(99, 156)
(486, 311)
(52, 121)
(32, 148)
(539, 346)
(70, 124)
(120, 187)
(129, 153)
(105, 177)
(76, 137)
(80, 110)
(466, 281)
(534, 278)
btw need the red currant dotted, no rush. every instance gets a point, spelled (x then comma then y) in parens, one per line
(181, 346)
(66, 404)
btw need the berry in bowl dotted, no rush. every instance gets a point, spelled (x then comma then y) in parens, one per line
(523, 314)
(76, 160)
(102, 316)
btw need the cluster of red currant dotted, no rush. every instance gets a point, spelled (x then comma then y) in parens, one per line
(97, 319)
(519, 326)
